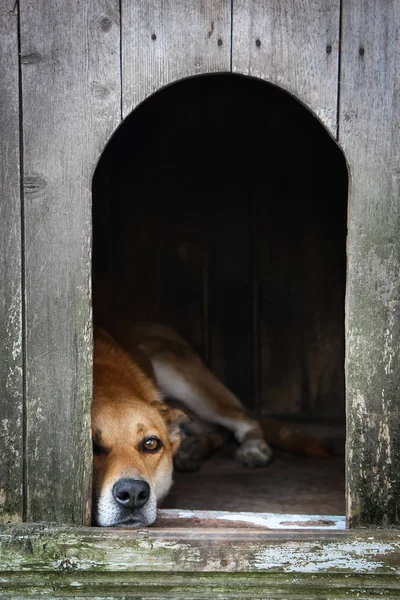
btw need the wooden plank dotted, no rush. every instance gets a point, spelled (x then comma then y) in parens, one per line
(182, 302)
(126, 238)
(175, 517)
(194, 586)
(225, 202)
(293, 44)
(11, 383)
(179, 563)
(278, 235)
(191, 586)
(71, 100)
(299, 254)
(369, 133)
(230, 290)
(167, 40)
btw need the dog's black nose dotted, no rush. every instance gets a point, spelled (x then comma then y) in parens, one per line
(131, 493)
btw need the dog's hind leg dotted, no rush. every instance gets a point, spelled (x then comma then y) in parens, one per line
(185, 377)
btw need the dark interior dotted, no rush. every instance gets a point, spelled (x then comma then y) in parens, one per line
(221, 204)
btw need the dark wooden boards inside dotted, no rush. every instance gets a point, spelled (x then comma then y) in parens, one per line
(229, 217)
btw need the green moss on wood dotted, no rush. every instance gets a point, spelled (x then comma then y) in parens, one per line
(40, 560)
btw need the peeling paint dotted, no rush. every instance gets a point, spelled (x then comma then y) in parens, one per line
(7, 518)
(10, 436)
(384, 447)
(13, 347)
(44, 551)
(263, 520)
(14, 326)
(388, 353)
(357, 556)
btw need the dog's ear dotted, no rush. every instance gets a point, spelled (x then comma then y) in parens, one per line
(174, 419)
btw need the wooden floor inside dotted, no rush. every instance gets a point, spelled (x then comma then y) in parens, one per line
(289, 484)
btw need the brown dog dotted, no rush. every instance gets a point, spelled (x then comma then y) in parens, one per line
(136, 435)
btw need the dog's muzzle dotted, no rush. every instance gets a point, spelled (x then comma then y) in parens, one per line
(129, 503)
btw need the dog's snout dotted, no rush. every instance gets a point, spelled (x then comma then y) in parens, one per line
(131, 493)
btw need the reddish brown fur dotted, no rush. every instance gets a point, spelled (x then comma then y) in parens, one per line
(126, 409)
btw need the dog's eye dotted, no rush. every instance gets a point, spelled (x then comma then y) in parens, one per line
(152, 444)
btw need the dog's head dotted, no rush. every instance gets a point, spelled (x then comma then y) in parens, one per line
(133, 448)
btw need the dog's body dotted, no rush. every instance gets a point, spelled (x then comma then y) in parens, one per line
(137, 436)
(131, 378)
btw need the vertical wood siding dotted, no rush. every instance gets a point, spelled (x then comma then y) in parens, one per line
(11, 384)
(293, 44)
(166, 40)
(71, 105)
(370, 134)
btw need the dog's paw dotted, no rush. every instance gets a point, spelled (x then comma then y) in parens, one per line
(189, 456)
(254, 453)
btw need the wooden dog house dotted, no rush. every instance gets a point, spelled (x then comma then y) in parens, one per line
(290, 112)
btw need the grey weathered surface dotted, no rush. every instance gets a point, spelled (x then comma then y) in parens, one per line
(176, 517)
(167, 40)
(11, 384)
(370, 136)
(198, 563)
(293, 44)
(71, 101)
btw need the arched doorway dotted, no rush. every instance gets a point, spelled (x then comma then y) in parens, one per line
(221, 204)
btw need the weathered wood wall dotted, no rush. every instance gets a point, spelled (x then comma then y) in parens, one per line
(40, 561)
(11, 383)
(165, 41)
(71, 105)
(370, 134)
(75, 88)
(293, 44)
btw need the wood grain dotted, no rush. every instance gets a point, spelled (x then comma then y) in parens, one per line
(230, 291)
(294, 45)
(299, 236)
(71, 101)
(167, 40)
(369, 133)
(179, 563)
(11, 383)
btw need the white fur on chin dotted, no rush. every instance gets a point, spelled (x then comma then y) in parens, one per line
(107, 513)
